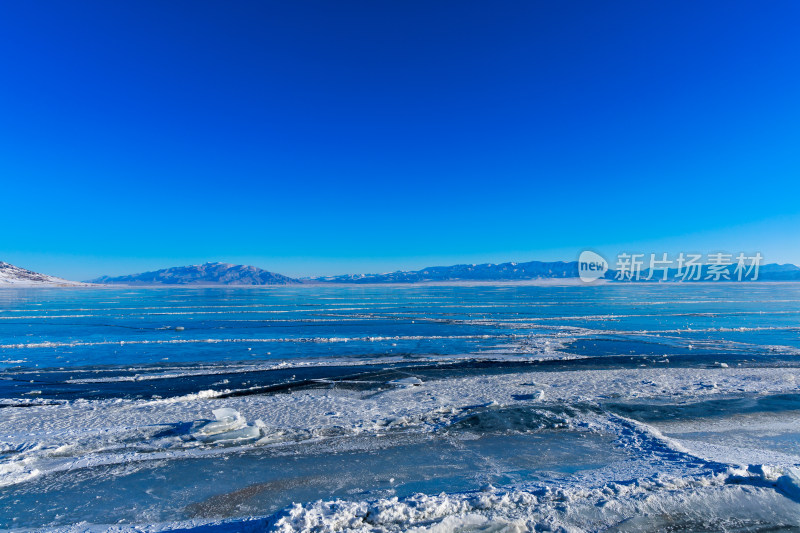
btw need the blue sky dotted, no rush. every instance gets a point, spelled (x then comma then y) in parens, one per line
(331, 137)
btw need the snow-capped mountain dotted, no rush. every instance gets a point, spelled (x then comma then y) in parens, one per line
(538, 270)
(485, 272)
(206, 274)
(229, 274)
(13, 276)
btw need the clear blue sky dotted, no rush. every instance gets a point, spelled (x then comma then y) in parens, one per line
(329, 137)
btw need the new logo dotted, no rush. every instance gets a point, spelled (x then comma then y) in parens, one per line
(591, 266)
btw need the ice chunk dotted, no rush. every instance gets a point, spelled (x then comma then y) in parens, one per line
(229, 427)
(406, 382)
(226, 420)
(226, 412)
(245, 433)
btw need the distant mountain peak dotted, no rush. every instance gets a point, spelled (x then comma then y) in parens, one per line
(211, 273)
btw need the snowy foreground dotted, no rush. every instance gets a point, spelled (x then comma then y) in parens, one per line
(720, 461)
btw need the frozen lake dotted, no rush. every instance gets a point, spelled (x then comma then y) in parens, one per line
(384, 408)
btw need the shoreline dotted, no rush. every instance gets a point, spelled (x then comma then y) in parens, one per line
(554, 282)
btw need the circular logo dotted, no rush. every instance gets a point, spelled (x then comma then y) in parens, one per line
(591, 266)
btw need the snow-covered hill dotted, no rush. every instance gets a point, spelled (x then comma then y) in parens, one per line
(207, 274)
(12, 276)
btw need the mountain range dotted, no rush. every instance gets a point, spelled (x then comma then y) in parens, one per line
(229, 274)
(484, 272)
(206, 274)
